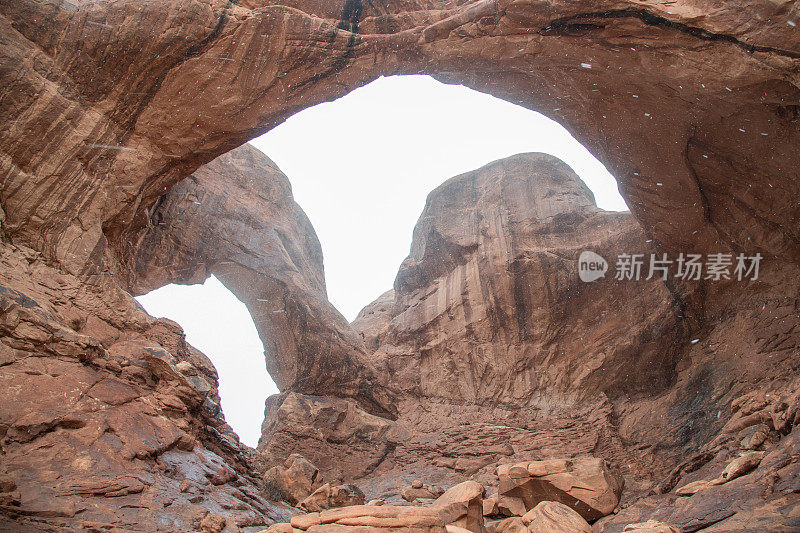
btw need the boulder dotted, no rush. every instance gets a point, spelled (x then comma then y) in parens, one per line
(463, 504)
(511, 525)
(329, 496)
(555, 517)
(369, 516)
(742, 465)
(589, 486)
(420, 491)
(295, 480)
(490, 506)
(212, 523)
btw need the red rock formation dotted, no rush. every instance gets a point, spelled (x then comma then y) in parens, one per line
(680, 101)
(490, 295)
(109, 419)
(588, 487)
(492, 335)
(489, 307)
(107, 106)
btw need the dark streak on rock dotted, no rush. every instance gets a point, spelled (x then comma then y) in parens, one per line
(193, 51)
(17, 297)
(568, 25)
(351, 14)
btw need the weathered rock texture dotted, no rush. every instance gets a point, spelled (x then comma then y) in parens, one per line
(666, 86)
(554, 517)
(108, 103)
(491, 350)
(492, 334)
(489, 308)
(109, 418)
(588, 487)
(459, 507)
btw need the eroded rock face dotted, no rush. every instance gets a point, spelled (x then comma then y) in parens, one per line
(660, 93)
(453, 343)
(494, 259)
(492, 276)
(492, 335)
(345, 441)
(433, 436)
(109, 418)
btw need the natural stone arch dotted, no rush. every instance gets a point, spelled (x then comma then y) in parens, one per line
(236, 218)
(651, 91)
(677, 101)
(109, 106)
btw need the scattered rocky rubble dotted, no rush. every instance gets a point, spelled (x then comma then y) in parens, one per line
(539, 490)
(461, 506)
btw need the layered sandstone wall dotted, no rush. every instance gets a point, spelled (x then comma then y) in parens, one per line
(109, 418)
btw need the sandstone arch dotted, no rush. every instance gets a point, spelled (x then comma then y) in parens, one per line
(236, 218)
(651, 90)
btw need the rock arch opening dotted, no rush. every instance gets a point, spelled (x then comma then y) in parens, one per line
(111, 105)
(219, 325)
(370, 187)
(362, 166)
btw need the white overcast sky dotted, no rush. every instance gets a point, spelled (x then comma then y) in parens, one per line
(361, 168)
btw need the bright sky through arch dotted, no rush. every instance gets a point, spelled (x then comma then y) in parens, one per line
(362, 166)
(219, 325)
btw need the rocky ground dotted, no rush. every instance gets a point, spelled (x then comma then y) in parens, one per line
(489, 369)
